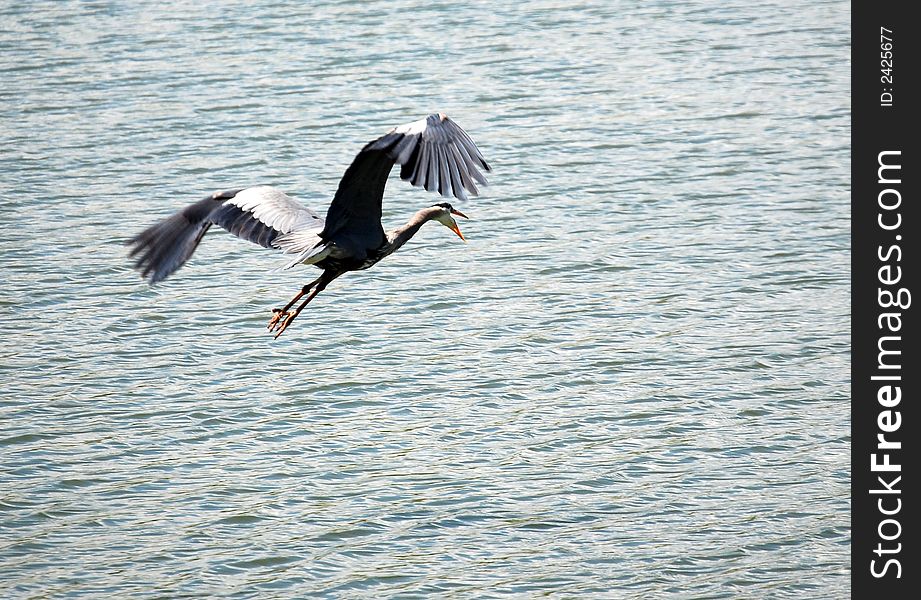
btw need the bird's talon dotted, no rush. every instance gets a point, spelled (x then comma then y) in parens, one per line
(276, 318)
(284, 325)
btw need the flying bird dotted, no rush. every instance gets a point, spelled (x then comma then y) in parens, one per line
(434, 153)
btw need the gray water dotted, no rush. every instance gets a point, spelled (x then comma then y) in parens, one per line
(632, 382)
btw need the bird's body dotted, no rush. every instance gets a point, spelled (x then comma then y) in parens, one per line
(434, 153)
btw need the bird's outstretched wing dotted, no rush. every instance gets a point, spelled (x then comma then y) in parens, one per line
(434, 153)
(263, 215)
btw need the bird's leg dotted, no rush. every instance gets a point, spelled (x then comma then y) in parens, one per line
(281, 313)
(283, 318)
(290, 317)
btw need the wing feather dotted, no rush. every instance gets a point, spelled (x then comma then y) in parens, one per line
(470, 164)
(431, 183)
(404, 149)
(456, 184)
(444, 172)
(466, 181)
(422, 166)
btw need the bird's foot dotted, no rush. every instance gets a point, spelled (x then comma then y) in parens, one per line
(280, 321)
(277, 319)
(284, 324)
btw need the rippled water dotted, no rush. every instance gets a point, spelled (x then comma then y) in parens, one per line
(632, 382)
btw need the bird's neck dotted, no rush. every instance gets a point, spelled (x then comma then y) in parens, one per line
(401, 235)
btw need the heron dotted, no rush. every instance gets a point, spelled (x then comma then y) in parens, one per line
(434, 153)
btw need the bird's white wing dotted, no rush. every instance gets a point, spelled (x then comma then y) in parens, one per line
(296, 227)
(266, 205)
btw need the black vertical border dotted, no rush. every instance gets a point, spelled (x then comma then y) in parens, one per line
(876, 128)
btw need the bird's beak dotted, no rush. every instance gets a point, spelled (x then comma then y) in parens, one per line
(457, 230)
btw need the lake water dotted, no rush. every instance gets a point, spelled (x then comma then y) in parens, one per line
(632, 382)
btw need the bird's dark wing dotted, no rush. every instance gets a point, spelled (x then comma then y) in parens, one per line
(263, 215)
(434, 153)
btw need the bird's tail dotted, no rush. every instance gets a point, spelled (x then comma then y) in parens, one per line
(165, 246)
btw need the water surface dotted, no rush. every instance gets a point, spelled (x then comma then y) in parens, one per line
(632, 382)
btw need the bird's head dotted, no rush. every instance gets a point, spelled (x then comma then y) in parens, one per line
(443, 215)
